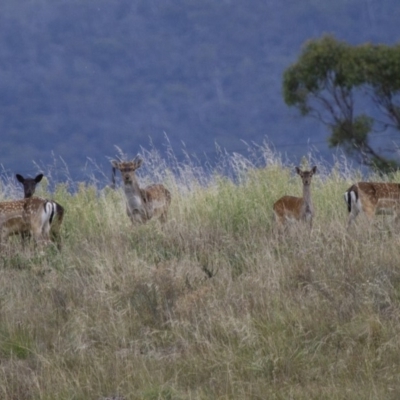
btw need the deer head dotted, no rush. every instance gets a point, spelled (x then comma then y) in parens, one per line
(306, 175)
(29, 184)
(127, 169)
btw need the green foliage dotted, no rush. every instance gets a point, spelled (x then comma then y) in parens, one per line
(17, 344)
(319, 64)
(326, 81)
(383, 167)
(378, 66)
(352, 135)
(159, 393)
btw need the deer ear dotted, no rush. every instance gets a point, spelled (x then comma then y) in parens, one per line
(298, 170)
(314, 169)
(115, 164)
(38, 178)
(137, 162)
(20, 178)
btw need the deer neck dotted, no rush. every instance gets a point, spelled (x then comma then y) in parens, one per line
(307, 203)
(134, 195)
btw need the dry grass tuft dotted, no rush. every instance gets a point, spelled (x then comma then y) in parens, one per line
(214, 304)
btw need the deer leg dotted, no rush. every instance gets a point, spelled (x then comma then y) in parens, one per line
(36, 233)
(3, 236)
(279, 227)
(352, 216)
(55, 237)
(355, 210)
(46, 231)
(164, 217)
(138, 217)
(40, 233)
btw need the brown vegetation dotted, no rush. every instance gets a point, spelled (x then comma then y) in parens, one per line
(213, 306)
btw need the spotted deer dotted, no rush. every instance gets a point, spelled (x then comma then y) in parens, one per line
(33, 216)
(372, 198)
(297, 208)
(142, 204)
(29, 185)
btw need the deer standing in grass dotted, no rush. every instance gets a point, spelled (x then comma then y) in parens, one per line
(28, 216)
(153, 201)
(372, 198)
(29, 185)
(297, 208)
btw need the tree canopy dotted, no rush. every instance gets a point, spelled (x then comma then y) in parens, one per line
(353, 90)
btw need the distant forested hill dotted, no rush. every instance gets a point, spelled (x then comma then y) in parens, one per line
(78, 76)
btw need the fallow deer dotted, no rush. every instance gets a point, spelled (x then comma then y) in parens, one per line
(29, 185)
(33, 215)
(153, 201)
(297, 208)
(372, 198)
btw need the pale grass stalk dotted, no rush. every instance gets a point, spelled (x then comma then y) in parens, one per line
(132, 311)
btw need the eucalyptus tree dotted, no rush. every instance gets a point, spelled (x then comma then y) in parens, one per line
(353, 90)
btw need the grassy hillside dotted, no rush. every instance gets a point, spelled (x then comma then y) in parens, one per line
(214, 305)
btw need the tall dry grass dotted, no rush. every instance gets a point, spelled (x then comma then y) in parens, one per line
(213, 305)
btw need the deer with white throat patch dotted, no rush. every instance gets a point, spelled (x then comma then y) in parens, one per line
(297, 208)
(142, 204)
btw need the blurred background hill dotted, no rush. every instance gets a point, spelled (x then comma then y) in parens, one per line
(80, 76)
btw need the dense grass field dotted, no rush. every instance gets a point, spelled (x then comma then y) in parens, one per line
(212, 305)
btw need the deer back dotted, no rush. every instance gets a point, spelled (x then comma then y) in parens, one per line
(376, 191)
(157, 199)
